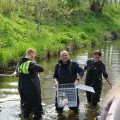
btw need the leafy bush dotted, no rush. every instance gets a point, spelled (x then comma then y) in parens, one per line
(49, 27)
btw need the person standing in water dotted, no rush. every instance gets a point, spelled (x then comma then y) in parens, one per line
(67, 71)
(95, 69)
(29, 85)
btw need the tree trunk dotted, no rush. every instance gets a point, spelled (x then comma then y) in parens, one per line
(103, 4)
(95, 6)
(26, 10)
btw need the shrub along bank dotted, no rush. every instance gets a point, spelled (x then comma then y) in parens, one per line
(78, 28)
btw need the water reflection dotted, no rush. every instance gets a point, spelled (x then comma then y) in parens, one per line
(9, 97)
(91, 112)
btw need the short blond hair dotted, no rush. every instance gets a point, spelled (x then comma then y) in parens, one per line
(29, 51)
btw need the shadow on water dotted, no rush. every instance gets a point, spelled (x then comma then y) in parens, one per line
(9, 97)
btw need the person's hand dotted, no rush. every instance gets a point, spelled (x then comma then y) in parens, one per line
(56, 83)
(76, 82)
(110, 84)
(14, 74)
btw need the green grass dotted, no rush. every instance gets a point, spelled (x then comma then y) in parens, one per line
(56, 33)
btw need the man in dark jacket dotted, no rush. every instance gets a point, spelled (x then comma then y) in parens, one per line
(29, 85)
(67, 71)
(95, 69)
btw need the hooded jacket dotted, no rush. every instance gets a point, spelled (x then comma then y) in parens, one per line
(29, 83)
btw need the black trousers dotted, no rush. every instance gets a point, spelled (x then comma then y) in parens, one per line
(31, 104)
(94, 98)
(27, 110)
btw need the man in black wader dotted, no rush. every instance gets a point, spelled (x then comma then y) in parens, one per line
(29, 85)
(67, 71)
(95, 69)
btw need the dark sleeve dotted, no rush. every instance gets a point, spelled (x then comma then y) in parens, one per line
(16, 69)
(35, 67)
(103, 69)
(18, 64)
(55, 75)
(87, 65)
(79, 70)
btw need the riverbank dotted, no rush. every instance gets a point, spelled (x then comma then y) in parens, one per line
(76, 29)
(10, 101)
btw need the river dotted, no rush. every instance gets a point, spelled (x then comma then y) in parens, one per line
(9, 97)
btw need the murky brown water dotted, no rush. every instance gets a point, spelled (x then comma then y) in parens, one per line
(9, 97)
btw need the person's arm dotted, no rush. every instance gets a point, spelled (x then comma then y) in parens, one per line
(105, 74)
(15, 73)
(55, 76)
(86, 65)
(56, 82)
(109, 82)
(80, 73)
(35, 67)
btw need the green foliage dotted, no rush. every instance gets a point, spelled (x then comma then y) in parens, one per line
(72, 3)
(83, 36)
(1, 57)
(64, 39)
(50, 27)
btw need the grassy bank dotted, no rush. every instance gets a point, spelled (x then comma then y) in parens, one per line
(79, 27)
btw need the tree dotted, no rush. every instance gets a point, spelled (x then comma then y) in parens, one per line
(96, 6)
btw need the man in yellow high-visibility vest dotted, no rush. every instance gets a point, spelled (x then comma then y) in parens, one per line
(29, 85)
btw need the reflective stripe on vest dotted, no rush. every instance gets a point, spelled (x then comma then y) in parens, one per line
(23, 68)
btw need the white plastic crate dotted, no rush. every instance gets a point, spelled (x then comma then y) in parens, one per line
(66, 95)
